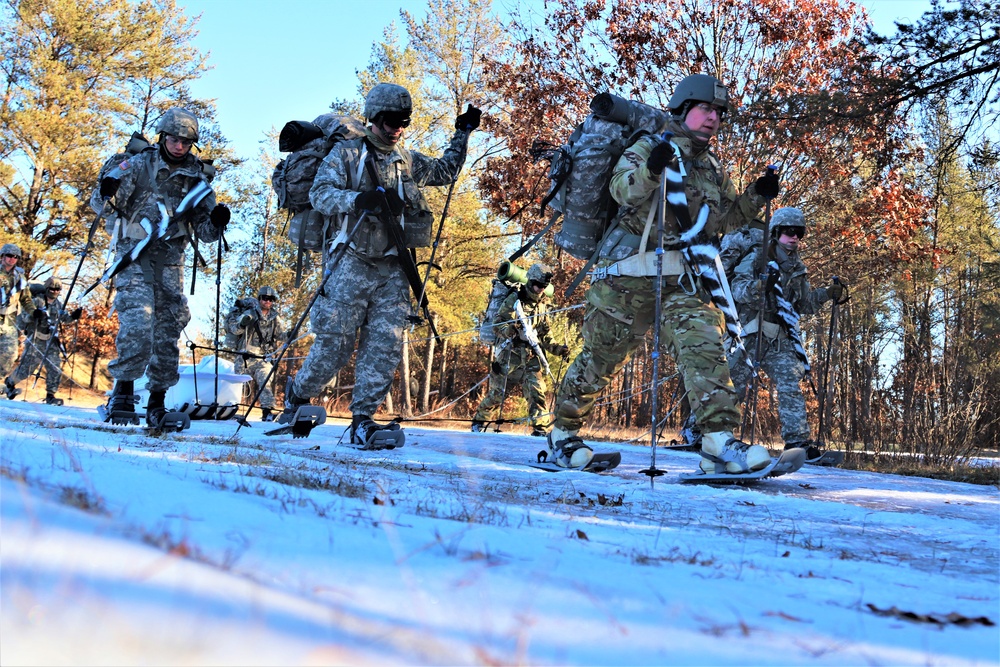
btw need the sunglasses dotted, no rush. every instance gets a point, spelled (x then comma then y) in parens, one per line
(55, 290)
(8, 255)
(395, 122)
(797, 232)
(268, 298)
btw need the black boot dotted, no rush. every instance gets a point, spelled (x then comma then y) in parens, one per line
(50, 399)
(813, 449)
(369, 434)
(120, 408)
(478, 426)
(266, 415)
(10, 390)
(155, 409)
(292, 402)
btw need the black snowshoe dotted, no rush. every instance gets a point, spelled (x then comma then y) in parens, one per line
(120, 408)
(160, 420)
(9, 390)
(369, 435)
(51, 399)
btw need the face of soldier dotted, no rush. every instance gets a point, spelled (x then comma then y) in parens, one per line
(704, 118)
(177, 146)
(389, 127)
(52, 294)
(789, 237)
(9, 262)
(265, 304)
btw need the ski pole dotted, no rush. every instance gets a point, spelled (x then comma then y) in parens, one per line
(653, 472)
(294, 332)
(218, 297)
(834, 312)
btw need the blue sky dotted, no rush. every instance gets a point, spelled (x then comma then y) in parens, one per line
(280, 61)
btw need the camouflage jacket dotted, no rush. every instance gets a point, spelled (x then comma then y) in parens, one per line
(56, 316)
(343, 175)
(146, 179)
(261, 336)
(633, 187)
(794, 284)
(14, 295)
(509, 327)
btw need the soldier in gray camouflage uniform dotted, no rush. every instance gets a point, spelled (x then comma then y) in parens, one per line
(515, 362)
(366, 299)
(620, 308)
(256, 328)
(43, 339)
(150, 301)
(778, 357)
(14, 295)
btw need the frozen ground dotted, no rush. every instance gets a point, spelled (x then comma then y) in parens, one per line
(118, 548)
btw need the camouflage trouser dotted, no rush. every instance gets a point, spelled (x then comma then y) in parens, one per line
(786, 371)
(151, 315)
(32, 357)
(515, 370)
(619, 313)
(258, 369)
(8, 346)
(364, 302)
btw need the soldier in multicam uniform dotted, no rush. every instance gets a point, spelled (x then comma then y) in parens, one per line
(778, 357)
(367, 296)
(150, 301)
(620, 309)
(514, 359)
(255, 327)
(14, 295)
(43, 340)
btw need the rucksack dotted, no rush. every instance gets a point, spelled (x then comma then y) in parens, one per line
(581, 169)
(498, 294)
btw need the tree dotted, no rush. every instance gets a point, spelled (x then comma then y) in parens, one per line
(96, 336)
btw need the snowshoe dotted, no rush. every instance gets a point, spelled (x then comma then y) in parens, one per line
(300, 421)
(161, 421)
(721, 453)
(120, 408)
(51, 399)
(567, 450)
(369, 435)
(600, 462)
(789, 461)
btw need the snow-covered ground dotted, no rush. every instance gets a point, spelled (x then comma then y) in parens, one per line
(119, 548)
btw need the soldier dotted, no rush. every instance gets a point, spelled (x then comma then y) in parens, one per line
(367, 296)
(620, 308)
(256, 329)
(514, 360)
(14, 295)
(43, 340)
(778, 356)
(152, 309)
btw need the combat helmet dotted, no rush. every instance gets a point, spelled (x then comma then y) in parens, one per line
(10, 249)
(53, 283)
(267, 291)
(540, 274)
(178, 122)
(787, 217)
(698, 88)
(387, 97)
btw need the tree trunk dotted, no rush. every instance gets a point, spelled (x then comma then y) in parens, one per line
(407, 408)
(93, 370)
(425, 394)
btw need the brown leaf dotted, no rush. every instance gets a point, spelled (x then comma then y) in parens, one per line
(580, 535)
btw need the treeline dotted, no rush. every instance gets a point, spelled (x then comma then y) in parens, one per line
(883, 140)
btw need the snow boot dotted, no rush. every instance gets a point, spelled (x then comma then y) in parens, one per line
(292, 402)
(50, 399)
(368, 434)
(120, 408)
(567, 450)
(478, 426)
(722, 453)
(266, 415)
(9, 390)
(155, 409)
(811, 447)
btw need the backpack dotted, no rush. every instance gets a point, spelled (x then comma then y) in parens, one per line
(581, 170)
(292, 178)
(498, 294)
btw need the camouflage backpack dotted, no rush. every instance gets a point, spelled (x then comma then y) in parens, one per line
(581, 169)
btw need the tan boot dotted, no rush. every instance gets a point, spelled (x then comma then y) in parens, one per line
(568, 450)
(722, 453)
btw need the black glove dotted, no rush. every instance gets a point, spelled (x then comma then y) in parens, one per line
(368, 201)
(469, 120)
(75, 314)
(246, 319)
(835, 291)
(39, 316)
(109, 186)
(220, 216)
(495, 367)
(768, 184)
(662, 153)
(560, 351)
(773, 275)
(395, 203)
